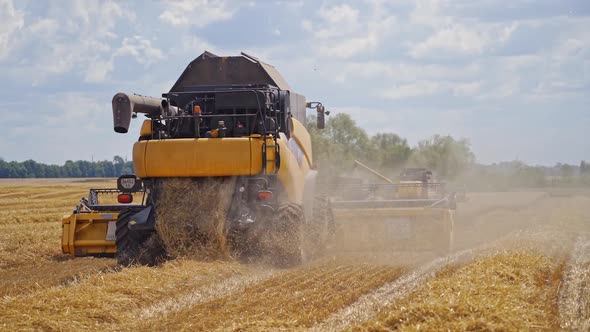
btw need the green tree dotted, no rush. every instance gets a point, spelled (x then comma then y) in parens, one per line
(584, 167)
(119, 164)
(391, 151)
(4, 169)
(17, 170)
(71, 169)
(443, 154)
(80, 168)
(566, 171)
(337, 146)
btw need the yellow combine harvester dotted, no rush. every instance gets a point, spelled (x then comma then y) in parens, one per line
(413, 213)
(224, 118)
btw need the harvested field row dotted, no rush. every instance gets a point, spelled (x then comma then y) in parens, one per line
(42, 289)
(37, 277)
(368, 305)
(508, 291)
(295, 299)
(480, 204)
(28, 244)
(162, 296)
(106, 300)
(53, 214)
(548, 218)
(17, 204)
(574, 301)
(42, 203)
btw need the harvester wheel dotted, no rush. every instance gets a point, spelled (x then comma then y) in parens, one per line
(285, 236)
(445, 234)
(134, 247)
(321, 230)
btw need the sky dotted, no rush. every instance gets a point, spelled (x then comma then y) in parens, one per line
(513, 77)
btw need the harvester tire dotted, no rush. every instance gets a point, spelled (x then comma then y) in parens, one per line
(286, 236)
(437, 236)
(321, 230)
(134, 247)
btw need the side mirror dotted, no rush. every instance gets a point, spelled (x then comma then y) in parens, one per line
(321, 113)
(321, 117)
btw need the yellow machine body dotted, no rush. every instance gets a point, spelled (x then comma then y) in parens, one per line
(412, 189)
(232, 156)
(89, 233)
(407, 215)
(224, 117)
(383, 229)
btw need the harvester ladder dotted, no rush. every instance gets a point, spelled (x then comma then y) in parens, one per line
(276, 159)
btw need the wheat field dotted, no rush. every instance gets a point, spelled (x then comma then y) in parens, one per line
(522, 262)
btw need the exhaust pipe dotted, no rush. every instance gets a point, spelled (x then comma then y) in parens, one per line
(124, 105)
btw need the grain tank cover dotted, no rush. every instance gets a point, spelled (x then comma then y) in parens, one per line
(210, 70)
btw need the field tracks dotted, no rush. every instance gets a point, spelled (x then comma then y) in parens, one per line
(369, 305)
(574, 295)
(28, 279)
(231, 285)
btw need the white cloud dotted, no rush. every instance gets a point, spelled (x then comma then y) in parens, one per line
(411, 90)
(290, 3)
(420, 59)
(341, 32)
(136, 47)
(349, 47)
(64, 39)
(457, 39)
(195, 45)
(85, 116)
(96, 19)
(428, 12)
(401, 71)
(468, 89)
(561, 68)
(140, 49)
(338, 21)
(45, 28)
(99, 71)
(81, 37)
(452, 35)
(12, 21)
(197, 12)
(429, 88)
(509, 87)
(463, 39)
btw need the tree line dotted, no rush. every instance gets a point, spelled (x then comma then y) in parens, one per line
(70, 169)
(452, 160)
(342, 141)
(336, 147)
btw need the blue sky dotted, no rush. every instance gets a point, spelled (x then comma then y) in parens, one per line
(512, 77)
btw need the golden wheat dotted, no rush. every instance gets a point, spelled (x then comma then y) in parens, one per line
(515, 289)
(512, 291)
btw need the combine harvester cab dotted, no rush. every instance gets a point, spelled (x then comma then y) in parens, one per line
(412, 214)
(229, 138)
(90, 229)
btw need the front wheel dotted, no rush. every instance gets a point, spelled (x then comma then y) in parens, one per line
(133, 247)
